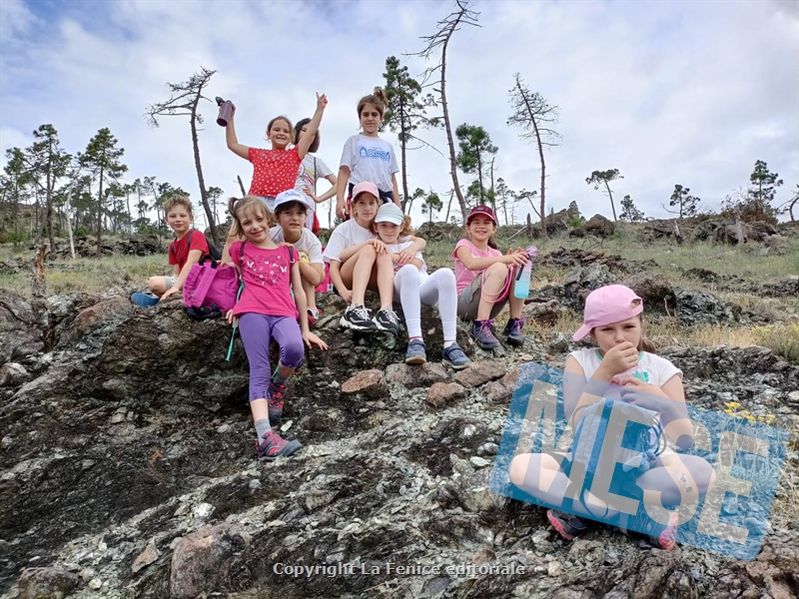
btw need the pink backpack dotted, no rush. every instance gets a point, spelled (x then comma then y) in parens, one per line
(210, 289)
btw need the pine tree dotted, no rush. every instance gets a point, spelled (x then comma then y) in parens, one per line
(629, 211)
(406, 112)
(475, 150)
(534, 116)
(599, 178)
(48, 164)
(432, 204)
(102, 159)
(686, 203)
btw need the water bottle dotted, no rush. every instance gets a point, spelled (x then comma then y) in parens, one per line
(225, 111)
(522, 288)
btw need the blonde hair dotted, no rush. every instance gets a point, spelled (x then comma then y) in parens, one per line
(173, 201)
(377, 98)
(248, 204)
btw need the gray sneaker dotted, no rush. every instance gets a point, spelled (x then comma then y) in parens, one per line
(483, 334)
(387, 320)
(415, 354)
(455, 357)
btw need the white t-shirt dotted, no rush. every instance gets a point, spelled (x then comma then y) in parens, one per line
(396, 248)
(650, 369)
(370, 159)
(307, 243)
(311, 170)
(347, 234)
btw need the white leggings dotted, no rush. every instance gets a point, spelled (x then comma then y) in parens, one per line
(415, 288)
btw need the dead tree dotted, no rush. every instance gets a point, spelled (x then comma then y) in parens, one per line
(533, 115)
(440, 41)
(184, 101)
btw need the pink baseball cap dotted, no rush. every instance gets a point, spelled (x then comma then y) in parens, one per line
(365, 186)
(483, 210)
(606, 305)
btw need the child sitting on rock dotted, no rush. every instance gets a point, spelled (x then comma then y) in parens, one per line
(291, 213)
(185, 250)
(266, 310)
(415, 287)
(359, 261)
(485, 280)
(621, 369)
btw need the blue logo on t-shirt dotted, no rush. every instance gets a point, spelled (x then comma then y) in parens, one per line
(373, 152)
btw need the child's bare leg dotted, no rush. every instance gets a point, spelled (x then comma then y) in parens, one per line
(310, 293)
(157, 285)
(361, 273)
(385, 280)
(493, 281)
(516, 304)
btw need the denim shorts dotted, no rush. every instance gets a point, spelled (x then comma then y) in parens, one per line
(169, 281)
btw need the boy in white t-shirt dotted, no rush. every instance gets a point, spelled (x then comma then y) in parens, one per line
(291, 213)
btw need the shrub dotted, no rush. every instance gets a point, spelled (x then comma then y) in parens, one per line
(782, 339)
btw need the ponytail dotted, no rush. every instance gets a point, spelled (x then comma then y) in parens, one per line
(377, 98)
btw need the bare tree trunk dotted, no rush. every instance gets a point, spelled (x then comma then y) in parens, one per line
(100, 212)
(739, 229)
(403, 150)
(449, 206)
(69, 233)
(241, 185)
(49, 190)
(453, 160)
(38, 283)
(612, 205)
(203, 191)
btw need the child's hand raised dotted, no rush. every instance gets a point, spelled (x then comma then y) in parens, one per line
(313, 339)
(321, 101)
(620, 358)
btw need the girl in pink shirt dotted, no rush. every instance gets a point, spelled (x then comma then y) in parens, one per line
(266, 311)
(481, 298)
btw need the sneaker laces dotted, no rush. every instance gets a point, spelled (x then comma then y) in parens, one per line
(517, 326)
(273, 442)
(487, 326)
(361, 311)
(393, 318)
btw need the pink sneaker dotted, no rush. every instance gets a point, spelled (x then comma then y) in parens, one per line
(273, 446)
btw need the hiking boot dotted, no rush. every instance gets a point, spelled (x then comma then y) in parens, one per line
(567, 525)
(357, 318)
(387, 320)
(415, 354)
(313, 316)
(483, 334)
(455, 357)
(276, 395)
(273, 445)
(514, 332)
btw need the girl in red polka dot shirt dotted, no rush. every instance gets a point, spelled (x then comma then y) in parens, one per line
(275, 170)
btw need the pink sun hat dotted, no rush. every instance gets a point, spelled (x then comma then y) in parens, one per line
(606, 305)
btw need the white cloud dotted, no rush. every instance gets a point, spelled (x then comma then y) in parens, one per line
(689, 93)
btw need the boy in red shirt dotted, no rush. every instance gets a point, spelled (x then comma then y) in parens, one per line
(188, 247)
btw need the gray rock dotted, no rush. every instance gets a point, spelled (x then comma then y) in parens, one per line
(202, 559)
(50, 583)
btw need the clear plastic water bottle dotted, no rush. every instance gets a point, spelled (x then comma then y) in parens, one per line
(523, 278)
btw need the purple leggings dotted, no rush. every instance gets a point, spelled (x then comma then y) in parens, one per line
(257, 331)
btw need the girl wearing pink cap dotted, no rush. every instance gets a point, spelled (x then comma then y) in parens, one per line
(619, 368)
(485, 279)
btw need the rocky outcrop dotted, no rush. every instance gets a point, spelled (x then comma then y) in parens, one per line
(129, 469)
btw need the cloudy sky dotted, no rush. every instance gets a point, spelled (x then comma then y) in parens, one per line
(689, 92)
